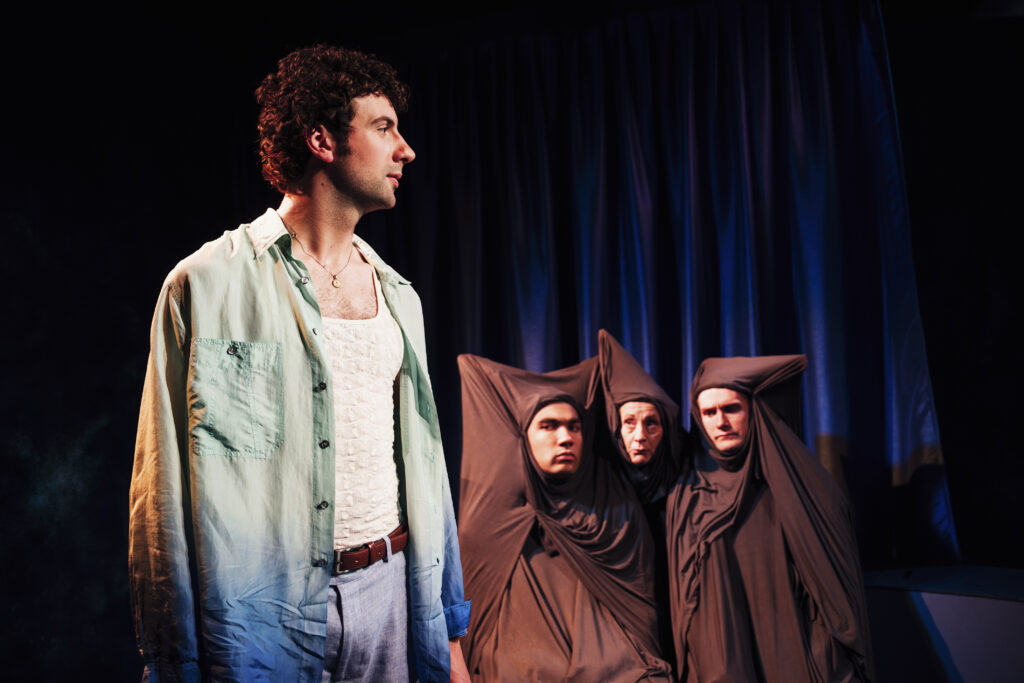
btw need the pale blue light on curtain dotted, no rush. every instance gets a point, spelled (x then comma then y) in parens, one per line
(720, 178)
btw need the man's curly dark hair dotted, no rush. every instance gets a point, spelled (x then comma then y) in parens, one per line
(314, 86)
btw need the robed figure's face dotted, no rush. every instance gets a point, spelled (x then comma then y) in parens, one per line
(641, 430)
(725, 414)
(556, 439)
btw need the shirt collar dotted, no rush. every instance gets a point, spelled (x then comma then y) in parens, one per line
(269, 229)
(266, 230)
(384, 271)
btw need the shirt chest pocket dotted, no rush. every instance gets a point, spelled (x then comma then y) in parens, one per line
(235, 398)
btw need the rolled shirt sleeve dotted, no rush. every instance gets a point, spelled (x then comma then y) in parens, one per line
(159, 568)
(456, 607)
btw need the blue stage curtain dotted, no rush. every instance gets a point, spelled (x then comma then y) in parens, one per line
(714, 179)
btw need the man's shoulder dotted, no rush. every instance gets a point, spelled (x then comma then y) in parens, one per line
(215, 254)
(226, 255)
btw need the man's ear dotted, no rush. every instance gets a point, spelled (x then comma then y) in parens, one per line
(322, 144)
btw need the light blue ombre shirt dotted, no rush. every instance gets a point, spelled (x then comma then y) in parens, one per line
(232, 495)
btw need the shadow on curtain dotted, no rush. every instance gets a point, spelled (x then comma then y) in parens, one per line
(709, 180)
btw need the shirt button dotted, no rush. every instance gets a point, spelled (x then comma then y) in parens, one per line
(304, 279)
(325, 443)
(320, 563)
(321, 386)
(232, 350)
(322, 505)
(316, 331)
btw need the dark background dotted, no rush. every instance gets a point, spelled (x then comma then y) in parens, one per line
(129, 140)
(960, 112)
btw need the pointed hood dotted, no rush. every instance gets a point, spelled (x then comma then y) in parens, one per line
(624, 380)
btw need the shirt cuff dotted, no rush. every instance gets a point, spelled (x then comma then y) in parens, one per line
(456, 617)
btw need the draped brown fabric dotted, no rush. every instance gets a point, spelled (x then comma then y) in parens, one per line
(624, 380)
(764, 573)
(527, 540)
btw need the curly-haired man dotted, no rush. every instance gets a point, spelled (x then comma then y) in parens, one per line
(290, 512)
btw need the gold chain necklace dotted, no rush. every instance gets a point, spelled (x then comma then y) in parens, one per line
(334, 276)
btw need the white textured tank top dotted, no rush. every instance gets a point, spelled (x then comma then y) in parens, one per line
(365, 357)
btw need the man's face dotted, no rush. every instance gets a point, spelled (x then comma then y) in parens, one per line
(369, 174)
(556, 439)
(726, 417)
(641, 430)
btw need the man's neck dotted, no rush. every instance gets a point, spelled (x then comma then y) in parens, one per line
(323, 221)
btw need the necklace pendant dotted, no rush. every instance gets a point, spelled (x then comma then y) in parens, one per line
(336, 282)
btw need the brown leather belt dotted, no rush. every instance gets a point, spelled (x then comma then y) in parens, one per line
(347, 560)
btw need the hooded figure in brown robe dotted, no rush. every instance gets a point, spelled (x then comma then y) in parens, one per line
(558, 567)
(764, 573)
(628, 389)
